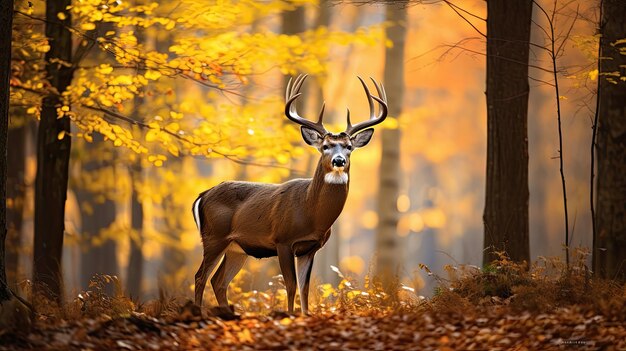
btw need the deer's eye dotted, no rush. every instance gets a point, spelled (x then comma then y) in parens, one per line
(349, 147)
(325, 147)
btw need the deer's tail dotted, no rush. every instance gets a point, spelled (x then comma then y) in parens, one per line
(196, 212)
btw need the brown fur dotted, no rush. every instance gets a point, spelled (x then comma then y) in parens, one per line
(296, 215)
(261, 215)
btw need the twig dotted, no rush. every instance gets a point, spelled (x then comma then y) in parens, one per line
(553, 56)
(569, 31)
(541, 27)
(541, 81)
(465, 11)
(451, 47)
(594, 132)
(453, 7)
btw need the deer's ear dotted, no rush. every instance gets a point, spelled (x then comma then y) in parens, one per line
(311, 136)
(362, 138)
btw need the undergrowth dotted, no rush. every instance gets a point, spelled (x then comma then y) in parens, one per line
(546, 285)
(466, 290)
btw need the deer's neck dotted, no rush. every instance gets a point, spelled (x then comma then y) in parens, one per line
(325, 198)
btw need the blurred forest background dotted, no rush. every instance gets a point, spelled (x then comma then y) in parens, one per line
(170, 98)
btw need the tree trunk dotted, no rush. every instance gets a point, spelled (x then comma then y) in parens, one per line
(53, 154)
(134, 270)
(540, 165)
(16, 188)
(6, 23)
(506, 199)
(100, 256)
(325, 13)
(134, 274)
(389, 173)
(174, 257)
(294, 22)
(610, 242)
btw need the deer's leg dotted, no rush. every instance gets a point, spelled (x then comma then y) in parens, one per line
(231, 265)
(305, 265)
(211, 257)
(288, 269)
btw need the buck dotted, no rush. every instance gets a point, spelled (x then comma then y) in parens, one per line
(291, 220)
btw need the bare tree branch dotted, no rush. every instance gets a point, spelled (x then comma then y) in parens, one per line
(465, 11)
(569, 31)
(502, 58)
(464, 18)
(553, 55)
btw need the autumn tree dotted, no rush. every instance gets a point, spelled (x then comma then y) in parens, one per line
(13, 314)
(6, 21)
(173, 224)
(506, 201)
(94, 184)
(609, 254)
(95, 192)
(16, 191)
(19, 128)
(27, 51)
(174, 264)
(389, 169)
(134, 271)
(53, 154)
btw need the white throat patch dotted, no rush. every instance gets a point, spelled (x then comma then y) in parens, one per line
(336, 177)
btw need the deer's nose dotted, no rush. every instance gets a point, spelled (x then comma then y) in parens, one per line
(339, 162)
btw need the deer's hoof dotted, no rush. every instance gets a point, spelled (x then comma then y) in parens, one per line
(226, 313)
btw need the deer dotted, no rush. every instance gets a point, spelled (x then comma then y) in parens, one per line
(292, 220)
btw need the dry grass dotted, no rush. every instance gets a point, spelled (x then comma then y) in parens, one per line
(541, 288)
(467, 290)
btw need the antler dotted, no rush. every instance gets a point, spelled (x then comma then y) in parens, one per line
(291, 95)
(374, 120)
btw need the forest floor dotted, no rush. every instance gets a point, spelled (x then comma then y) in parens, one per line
(502, 306)
(493, 328)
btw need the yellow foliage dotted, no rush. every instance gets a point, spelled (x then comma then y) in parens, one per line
(43, 48)
(105, 69)
(210, 46)
(88, 26)
(153, 75)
